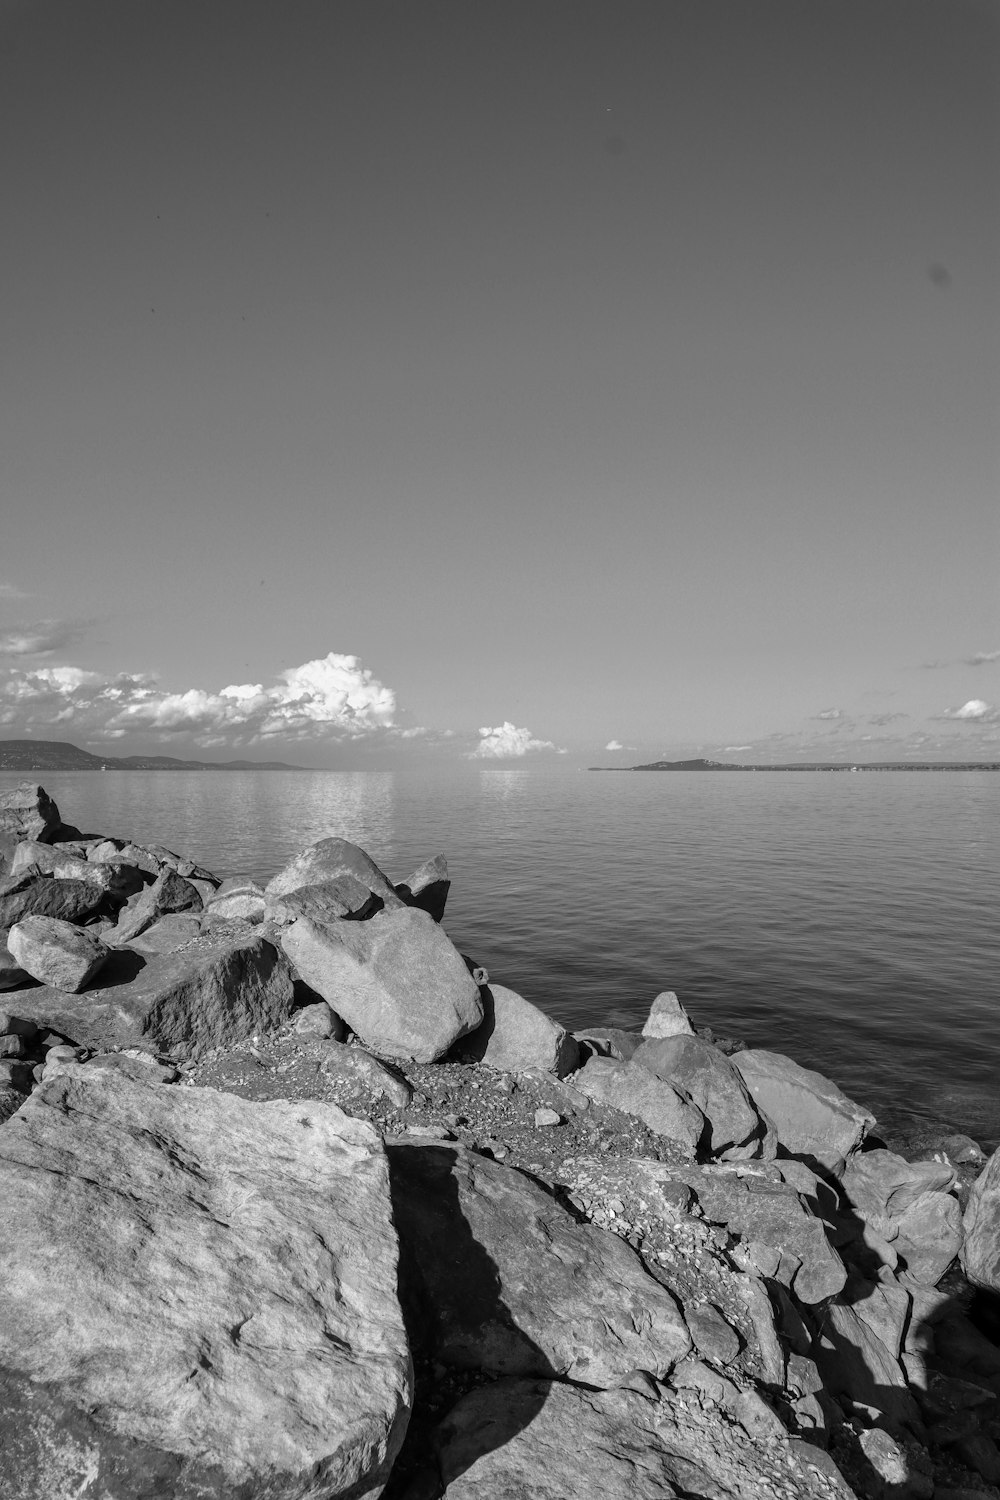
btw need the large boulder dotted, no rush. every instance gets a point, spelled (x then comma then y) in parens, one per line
(520, 1438)
(397, 980)
(496, 1276)
(26, 812)
(169, 892)
(116, 877)
(708, 1078)
(635, 1090)
(237, 896)
(812, 1116)
(214, 992)
(36, 895)
(198, 1299)
(515, 1035)
(57, 953)
(326, 860)
(981, 1224)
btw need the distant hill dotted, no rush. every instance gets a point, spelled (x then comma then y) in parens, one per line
(59, 755)
(833, 765)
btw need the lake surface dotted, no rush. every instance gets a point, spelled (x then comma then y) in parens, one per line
(847, 920)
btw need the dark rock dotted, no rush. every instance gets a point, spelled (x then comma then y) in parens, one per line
(78, 901)
(427, 887)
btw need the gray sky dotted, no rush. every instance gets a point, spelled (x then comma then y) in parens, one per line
(619, 373)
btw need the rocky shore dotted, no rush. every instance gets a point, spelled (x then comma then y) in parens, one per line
(299, 1201)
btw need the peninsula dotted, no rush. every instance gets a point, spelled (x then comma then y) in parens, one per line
(826, 765)
(60, 755)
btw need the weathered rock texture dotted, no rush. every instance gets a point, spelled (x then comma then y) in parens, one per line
(812, 1116)
(498, 1277)
(214, 992)
(328, 860)
(710, 1081)
(57, 953)
(199, 1298)
(634, 1089)
(396, 979)
(514, 1034)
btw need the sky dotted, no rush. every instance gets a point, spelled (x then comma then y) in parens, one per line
(395, 381)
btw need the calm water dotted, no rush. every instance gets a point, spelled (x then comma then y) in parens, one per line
(850, 921)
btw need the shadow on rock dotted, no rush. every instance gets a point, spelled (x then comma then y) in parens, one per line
(460, 1340)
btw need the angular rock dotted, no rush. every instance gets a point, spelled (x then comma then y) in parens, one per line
(608, 1041)
(26, 812)
(812, 1116)
(929, 1238)
(345, 898)
(854, 1362)
(881, 1183)
(711, 1081)
(327, 860)
(12, 1025)
(118, 879)
(667, 1017)
(214, 992)
(496, 1276)
(521, 1438)
(397, 980)
(76, 901)
(12, 976)
(634, 1090)
(514, 1035)
(57, 953)
(168, 893)
(11, 1100)
(238, 896)
(167, 933)
(228, 1271)
(981, 1225)
(318, 1020)
(427, 887)
(355, 1065)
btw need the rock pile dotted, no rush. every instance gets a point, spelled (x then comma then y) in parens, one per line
(416, 1238)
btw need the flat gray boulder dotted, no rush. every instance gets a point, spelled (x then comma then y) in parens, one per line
(216, 991)
(636, 1091)
(709, 1079)
(496, 1276)
(57, 953)
(397, 980)
(327, 860)
(199, 1298)
(519, 1438)
(514, 1035)
(812, 1116)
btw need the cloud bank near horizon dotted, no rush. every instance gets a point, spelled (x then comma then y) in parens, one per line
(331, 697)
(507, 742)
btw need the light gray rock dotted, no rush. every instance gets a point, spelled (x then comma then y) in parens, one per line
(167, 933)
(397, 980)
(26, 812)
(514, 1035)
(327, 860)
(343, 898)
(633, 1089)
(199, 1297)
(521, 1438)
(214, 992)
(357, 1067)
(812, 1116)
(880, 1183)
(238, 896)
(609, 1041)
(855, 1363)
(169, 892)
(496, 1276)
(928, 1238)
(667, 1017)
(319, 1021)
(427, 887)
(118, 879)
(708, 1078)
(57, 953)
(981, 1224)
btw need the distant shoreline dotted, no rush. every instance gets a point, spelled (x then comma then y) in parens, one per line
(60, 755)
(877, 765)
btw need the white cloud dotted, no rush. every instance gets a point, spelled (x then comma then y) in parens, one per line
(830, 713)
(980, 658)
(40, 638)
(614, 745)
(975, 709)
(331, 696)
(506, 742)
(11, 591)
